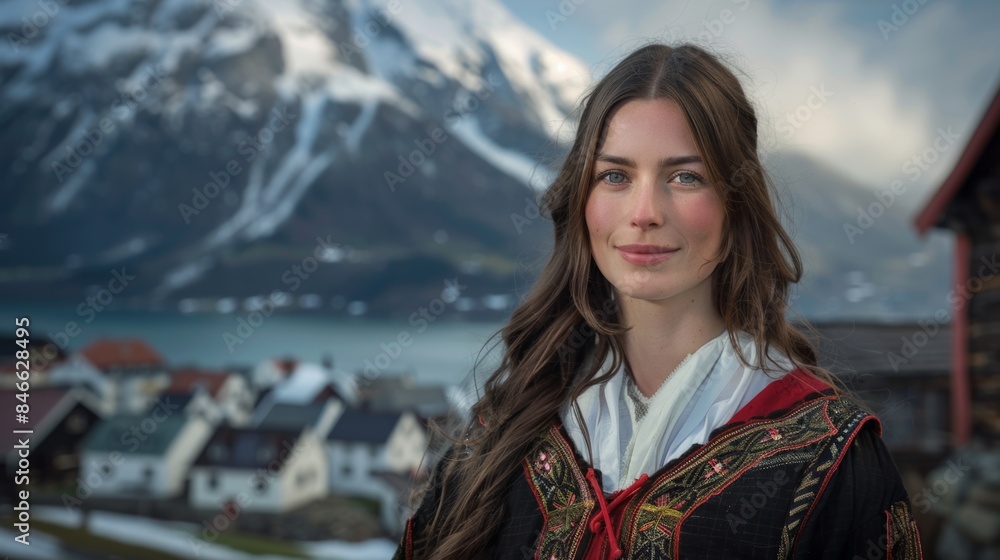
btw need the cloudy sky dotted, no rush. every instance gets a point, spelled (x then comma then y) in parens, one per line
(896, 74)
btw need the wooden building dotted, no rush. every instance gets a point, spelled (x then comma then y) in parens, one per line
(968, 203)
(60, 419)
(906, 387)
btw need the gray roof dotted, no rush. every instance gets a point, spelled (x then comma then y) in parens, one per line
(292, 416)
(364, 426)
(181, 400)
(853, 348)
(133, 433)
(426, 401)
(246, 448)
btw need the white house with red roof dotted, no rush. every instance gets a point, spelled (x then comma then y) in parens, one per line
(136, 370)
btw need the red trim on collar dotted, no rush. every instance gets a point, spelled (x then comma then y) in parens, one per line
(782, 394)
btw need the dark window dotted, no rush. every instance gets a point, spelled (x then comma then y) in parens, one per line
(217, 452)
(76, 423)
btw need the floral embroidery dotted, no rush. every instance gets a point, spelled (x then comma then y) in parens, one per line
(542, 463)
(662, 519)
(717, 468)
(654, 532)
(562, 494)
(773, 434)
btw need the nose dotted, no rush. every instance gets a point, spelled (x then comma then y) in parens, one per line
(647, 211)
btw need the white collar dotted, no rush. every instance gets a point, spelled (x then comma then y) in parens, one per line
(705, 390)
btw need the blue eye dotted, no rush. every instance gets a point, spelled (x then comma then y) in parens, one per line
(688, 178)
(608, 174)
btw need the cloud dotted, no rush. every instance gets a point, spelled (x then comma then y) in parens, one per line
(888, 93)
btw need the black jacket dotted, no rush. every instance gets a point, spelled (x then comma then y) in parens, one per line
(797, 474)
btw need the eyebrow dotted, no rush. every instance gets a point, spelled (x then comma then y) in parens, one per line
(665, 162)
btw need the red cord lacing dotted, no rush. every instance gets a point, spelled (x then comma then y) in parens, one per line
(605, 517)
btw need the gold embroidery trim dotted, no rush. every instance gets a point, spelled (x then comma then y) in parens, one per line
(656, 517)
(902, 536)
(563, 495)
(651, 520)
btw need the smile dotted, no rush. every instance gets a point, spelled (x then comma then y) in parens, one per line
(645, 255)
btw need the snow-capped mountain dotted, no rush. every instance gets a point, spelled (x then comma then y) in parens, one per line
(207, 146)
(332, 151)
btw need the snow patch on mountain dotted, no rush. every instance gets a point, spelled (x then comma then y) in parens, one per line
(515, 164)
(448, 35)
(217, 71)
(230, 42)
(306, 49)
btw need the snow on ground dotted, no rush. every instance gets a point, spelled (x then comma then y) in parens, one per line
(179, 538)
(379, 549)
(39, 545)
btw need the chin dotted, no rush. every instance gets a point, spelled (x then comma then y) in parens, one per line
(652, 286)
(649, 293)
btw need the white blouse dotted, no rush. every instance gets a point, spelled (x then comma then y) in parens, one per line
(632, 434)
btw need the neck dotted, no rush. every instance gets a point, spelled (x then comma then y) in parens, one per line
(664, 332)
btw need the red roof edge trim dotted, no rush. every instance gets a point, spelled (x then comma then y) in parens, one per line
(959, 175)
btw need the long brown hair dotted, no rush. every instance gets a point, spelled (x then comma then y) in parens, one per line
(565, 317)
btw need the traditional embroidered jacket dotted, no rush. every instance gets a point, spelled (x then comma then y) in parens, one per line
(797, 473)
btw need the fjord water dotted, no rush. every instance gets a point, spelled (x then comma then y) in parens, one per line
(439, 352)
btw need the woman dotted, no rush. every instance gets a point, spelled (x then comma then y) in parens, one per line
(652, 401)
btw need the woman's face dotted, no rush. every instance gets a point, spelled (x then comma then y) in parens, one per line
(655, 224)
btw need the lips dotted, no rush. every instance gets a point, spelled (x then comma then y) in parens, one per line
(645, 254)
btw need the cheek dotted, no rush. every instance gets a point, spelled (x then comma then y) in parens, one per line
(598, 216)
(701, 217)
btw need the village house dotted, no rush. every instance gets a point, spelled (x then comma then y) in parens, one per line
(269, 373)
(136, 371)
(76, 371)
(317, 417)
(229, 392)
(143, 455)
(398, 393)
(59, 418)
(270, 470)
(309, 382)
(301, 384)
(364, 445)
(197, 402)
